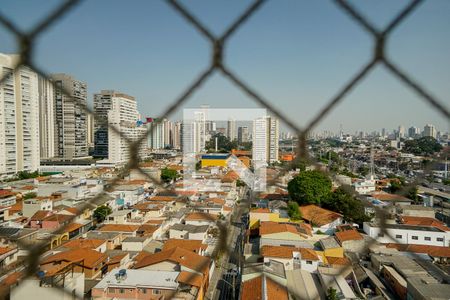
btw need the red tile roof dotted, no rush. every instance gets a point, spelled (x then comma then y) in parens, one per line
(191, 245)
(88, 257)
(287, 252)
(317, 215)
(190, 278)
(200, 216)
(40, 215)
(84, 243)
(177, 255)
(424, 221)
(348, 235)
(119, 228)
(253, 289)
(268, 227)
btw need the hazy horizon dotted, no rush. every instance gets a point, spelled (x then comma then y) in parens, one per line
(295, 54)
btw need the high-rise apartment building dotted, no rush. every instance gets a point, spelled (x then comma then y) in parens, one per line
(413, 132)
(194, 134)
(231, 130)
(265, 140)
(243, 134)
(46, 118)
(124, 117)
(401, 131)
(19, 118)
(103, 104)
(429, 130)
(70, 117)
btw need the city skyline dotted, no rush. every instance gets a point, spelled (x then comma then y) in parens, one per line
(155, 76)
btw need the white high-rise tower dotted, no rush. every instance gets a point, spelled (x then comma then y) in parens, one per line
(19, 118)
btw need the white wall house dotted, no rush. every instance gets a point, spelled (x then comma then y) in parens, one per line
(408, 234)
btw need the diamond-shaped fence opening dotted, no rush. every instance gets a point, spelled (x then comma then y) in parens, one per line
(26, 41)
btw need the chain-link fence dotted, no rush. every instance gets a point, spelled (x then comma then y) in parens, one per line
(27, 40)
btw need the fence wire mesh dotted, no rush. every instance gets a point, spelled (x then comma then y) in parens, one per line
(26, 42)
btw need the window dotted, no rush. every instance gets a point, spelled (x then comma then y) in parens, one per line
(309, 262)
(398, 236)
(440, 239)
(121, 291)
(415, 237)
(143, 291)
(380, 234)
(156, 292)
(111, 290)
(427, 238)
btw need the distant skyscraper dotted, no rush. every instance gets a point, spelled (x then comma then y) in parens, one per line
(194, 134)
(231, 130)
(70, 117)
(90, 128)
(124, 116)
(243, 134)
(176, 135)
(158, 134)
(383, 132)
(401, 131)
(413, 132)
(429, 130)
(46, 118)
(19, 118)
(265, 140)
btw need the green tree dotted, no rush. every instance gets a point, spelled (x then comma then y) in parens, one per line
(331, 294)
(101, 212)
(29, 195)
(309, 187)
(363, 170)
(26, 175)
(223, 143)
(167, 175)
(293, 211)
(411, 193)
(343, 202)
(426, 145)
(395, 186)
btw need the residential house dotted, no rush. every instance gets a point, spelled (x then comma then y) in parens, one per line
(188, 232)
(87, 261)
(292, 257)
(195, 246)
(8, 255)
(179, 259)
(199, 218)
(147, 284)
(285, 234)
(321, 219)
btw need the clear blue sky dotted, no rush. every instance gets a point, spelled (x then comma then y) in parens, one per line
(295, 53)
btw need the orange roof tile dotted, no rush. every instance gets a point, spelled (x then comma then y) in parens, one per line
(287, 252)
(147, 229)
(58, 218)
(383, 196)
(260, 210)
(4, 250)
(200, 216)
(348, 235)
(317, 215)
(88, 257)
(40, 215)
(268, 227)
(434, 251)
(119, 228)
(177, 255)
(342, 261)
(84, 243)
(162, 198)
(424, 221)
(73, 226)
(275, 291)
(253, 289)
(191, 245)
(190, 278)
